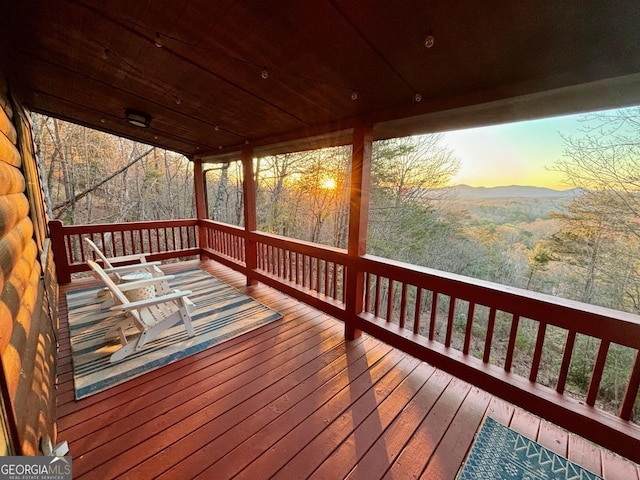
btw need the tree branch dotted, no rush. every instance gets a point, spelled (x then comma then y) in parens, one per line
(62, 207)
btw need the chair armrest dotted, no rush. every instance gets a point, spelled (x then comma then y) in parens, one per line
(133, 267)
(177, 295)
(125, 287)
(142, 257)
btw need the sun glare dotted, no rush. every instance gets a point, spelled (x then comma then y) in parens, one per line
(328, 184)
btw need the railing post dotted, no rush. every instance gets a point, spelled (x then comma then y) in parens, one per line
(250, 222)
(201, 204)
(59, 251)
(358, 218)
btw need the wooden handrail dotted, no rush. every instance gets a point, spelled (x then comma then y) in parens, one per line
(160, 240)
(432, 315)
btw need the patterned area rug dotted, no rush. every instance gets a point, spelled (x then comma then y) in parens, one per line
(500, 453)
(221, 313)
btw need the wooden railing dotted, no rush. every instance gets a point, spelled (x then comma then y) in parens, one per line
(161, 240)
(225, 242)
(452, 322)
(473, 329)
(313, 273)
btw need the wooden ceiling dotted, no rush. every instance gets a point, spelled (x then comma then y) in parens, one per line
(330, 64)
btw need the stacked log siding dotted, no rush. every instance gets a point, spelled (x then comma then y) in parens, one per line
(27, 289)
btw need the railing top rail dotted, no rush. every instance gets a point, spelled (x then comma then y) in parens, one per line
(322, 251)
(118, 227)
(600, 322)
(225, 227)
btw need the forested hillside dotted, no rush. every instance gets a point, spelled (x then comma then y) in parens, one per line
(580, 244)
(93, 177)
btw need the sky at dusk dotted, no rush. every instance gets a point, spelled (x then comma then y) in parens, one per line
(512, 154)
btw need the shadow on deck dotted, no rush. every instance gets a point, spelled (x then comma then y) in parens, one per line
(291, 400)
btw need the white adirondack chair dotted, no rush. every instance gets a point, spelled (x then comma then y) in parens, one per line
(118, 273)
(109, 263)
(145, 319)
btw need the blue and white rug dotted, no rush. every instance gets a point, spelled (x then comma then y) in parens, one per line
(500, 453)
(221, 313)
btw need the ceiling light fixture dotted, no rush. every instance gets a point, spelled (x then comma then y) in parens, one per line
(265, 73)
(138, 119)
(158, 41)
(354, 95)
(417, 98)
(430, 40)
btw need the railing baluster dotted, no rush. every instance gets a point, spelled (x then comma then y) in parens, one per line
(283, 261)
(434, 315)
(69, 244)
(376, 305)
(596, 374)
(513, 334)
(279, 262)
(291, 265)
(566, 361)
(318, 273)
(489, 338)
(334, 286)
(326, 278)
(82, 254)
(389, 300)
(286, 272)
(418, 311)
(450, 319)
(367, 293)
(287, 260)
(469, 328)
(273, 260)
(537, 354)
(403, 305)
(103, 243)
(631, 391)
(304, 271)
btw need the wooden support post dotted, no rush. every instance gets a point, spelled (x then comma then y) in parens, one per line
(250, 222)
(358, 218)
(59, 251)
(201, 204)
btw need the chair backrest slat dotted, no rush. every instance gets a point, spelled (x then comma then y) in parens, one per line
(98, 253)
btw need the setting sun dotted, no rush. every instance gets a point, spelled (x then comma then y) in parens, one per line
(328, 183)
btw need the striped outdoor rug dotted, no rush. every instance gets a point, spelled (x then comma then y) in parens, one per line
(221, 313)
(501, 453)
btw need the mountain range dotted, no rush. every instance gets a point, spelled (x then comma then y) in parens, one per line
(511, 191)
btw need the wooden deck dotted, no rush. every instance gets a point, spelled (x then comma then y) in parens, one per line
(291, 400)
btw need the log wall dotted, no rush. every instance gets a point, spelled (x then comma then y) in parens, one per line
(28, 291)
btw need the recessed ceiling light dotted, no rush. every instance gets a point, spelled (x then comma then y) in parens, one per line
(138, 119)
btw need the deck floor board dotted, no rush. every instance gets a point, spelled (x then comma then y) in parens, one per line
(291, 399)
